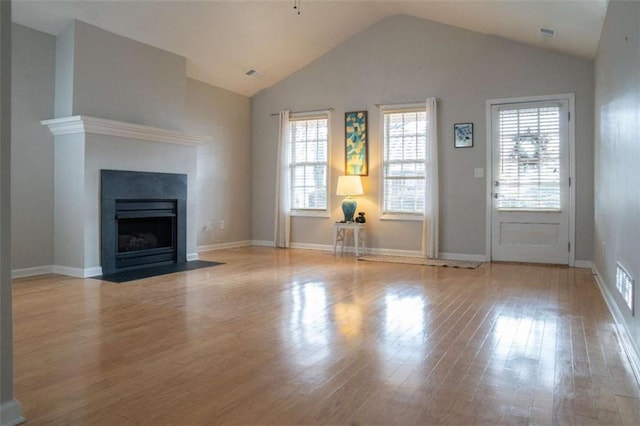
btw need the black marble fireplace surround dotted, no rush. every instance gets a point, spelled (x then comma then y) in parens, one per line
(143, 220)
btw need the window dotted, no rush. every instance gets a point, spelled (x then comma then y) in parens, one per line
(529, 158)
(404, 159)
(308, 164)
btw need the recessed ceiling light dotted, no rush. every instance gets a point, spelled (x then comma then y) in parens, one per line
(547, 32)
(253, 73)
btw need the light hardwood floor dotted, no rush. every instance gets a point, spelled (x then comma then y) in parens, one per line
(302, 337)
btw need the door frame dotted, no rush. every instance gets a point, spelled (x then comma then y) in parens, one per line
(570, 97)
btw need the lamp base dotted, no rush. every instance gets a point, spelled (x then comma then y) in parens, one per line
(349, 206)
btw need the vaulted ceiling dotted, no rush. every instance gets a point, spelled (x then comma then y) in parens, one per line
(223, 39)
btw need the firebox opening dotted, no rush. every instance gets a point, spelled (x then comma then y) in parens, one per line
(146, 232)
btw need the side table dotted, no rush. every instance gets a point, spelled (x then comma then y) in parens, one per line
(339, 233)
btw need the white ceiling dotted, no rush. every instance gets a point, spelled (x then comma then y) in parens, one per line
(223, 39)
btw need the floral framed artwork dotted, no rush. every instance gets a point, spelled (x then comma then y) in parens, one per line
(463, 135)
(356, 148)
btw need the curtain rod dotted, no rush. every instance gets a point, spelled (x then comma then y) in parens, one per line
(403, 103)
(275, 114)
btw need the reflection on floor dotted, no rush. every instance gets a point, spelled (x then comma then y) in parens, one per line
(292, 336)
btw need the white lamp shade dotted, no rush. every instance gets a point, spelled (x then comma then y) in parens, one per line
(349, 185)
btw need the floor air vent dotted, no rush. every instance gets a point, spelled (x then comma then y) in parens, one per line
(624, 284)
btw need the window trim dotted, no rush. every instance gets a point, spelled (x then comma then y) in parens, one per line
(407, 217)
(309, 213)
(386, 109)
(312, 115)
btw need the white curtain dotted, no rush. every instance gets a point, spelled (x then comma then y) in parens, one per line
(282, 228)
(431, 204)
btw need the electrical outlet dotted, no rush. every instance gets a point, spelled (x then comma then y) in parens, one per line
(221, 224)
(479, 173)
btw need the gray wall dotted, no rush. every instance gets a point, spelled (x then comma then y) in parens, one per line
(65, 52)
(224, 164)
(406, 59)
(117, 78)
(32, 147)
(617, 181)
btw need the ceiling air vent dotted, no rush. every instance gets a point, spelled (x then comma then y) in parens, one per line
(547, 32)
(252, 73)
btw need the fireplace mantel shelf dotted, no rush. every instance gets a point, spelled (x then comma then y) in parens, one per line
(101, 126)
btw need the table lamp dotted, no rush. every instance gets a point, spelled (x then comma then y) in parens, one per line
(349, 185)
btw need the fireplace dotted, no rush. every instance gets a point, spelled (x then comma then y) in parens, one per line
(143, 219)
(146, 232)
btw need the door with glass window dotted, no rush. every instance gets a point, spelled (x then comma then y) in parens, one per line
(530, 182)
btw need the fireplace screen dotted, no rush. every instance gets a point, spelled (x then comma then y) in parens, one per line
(145, 234)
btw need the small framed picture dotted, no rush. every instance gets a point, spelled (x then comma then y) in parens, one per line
(463, 135)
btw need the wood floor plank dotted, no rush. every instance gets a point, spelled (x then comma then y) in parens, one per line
(302, 337)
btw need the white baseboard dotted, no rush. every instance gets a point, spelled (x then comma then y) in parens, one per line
(378, 251)
(92, 272)
(224, 246)
(584, 264)
(192, 256)
(77, 272)
(55, 269)
(631, 349)
(394, 252)
(95, 271)
(11, 413)
(262, 243)
(351, 249)
(308, 246)
(460, 256)
(32, 272)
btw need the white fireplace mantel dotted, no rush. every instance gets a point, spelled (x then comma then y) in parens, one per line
(101, 126)
(84, 146)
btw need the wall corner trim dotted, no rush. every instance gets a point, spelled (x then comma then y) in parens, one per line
(631, 350)
(101, 126)
(11, 413)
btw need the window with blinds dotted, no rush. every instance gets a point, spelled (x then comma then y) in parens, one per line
(308, 163)
(529, 167)
(404, 159)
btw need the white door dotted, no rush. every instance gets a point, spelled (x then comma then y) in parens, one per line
(530, 182)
